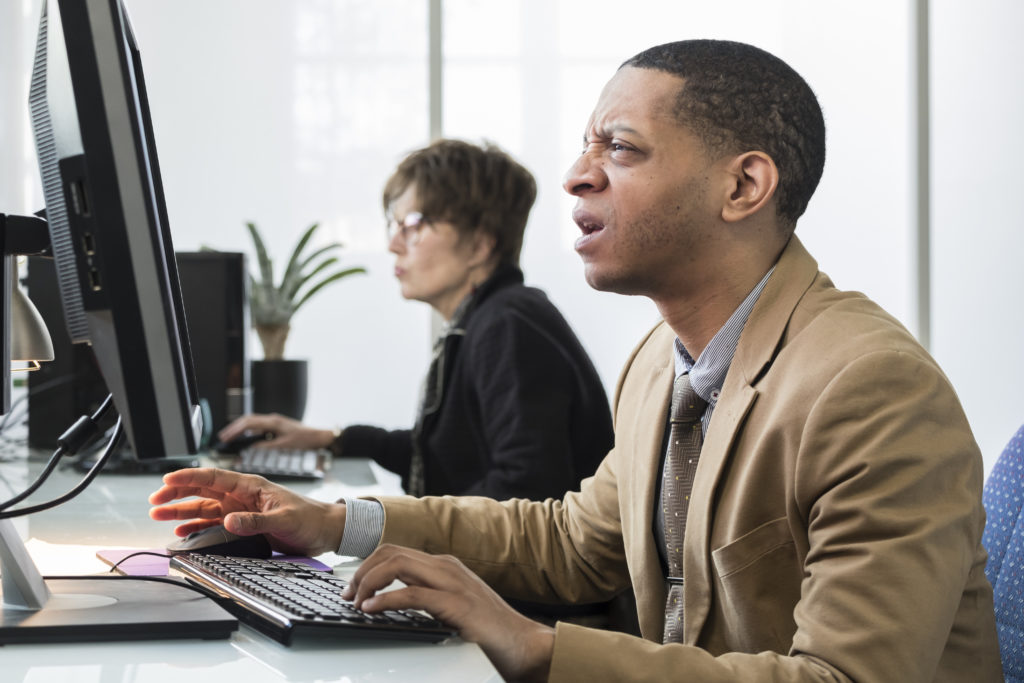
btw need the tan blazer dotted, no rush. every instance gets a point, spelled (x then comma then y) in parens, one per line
(835, 524)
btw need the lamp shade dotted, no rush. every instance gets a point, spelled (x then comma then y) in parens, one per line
(30, 340)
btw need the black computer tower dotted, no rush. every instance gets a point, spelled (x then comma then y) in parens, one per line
(214, 291)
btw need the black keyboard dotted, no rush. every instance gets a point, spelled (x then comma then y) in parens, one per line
(286, 600)
(282, 463)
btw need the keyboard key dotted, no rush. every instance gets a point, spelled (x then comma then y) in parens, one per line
(283, 599)
(286, 463)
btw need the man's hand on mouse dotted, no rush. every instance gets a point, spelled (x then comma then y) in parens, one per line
(247, 504)
(288, 433)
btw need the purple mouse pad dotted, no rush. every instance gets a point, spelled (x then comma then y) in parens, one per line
(158, 565)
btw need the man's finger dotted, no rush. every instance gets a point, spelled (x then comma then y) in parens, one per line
(411, 567)
(201, 508)
(375, 558)
(166, 494)
(194, 525)
(248, 523)
(214, 479)
(382, 552)
(436, 602)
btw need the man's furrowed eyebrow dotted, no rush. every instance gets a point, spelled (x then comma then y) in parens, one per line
(610, 132)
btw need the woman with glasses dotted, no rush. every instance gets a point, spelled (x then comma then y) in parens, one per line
(511, 405)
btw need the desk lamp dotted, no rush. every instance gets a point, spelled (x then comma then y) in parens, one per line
(30, 340)
(23, 334)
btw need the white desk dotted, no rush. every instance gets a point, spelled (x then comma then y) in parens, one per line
(113, 512)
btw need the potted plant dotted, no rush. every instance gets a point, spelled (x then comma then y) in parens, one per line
(279, 385)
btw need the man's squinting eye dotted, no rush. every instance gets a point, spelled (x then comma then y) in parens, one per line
(606, 145)
(621, 147)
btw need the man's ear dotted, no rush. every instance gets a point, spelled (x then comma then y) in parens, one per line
(754, 178)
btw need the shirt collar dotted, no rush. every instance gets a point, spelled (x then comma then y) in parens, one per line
(707, 373)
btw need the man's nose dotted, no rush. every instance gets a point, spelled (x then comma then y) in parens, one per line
(584, 175)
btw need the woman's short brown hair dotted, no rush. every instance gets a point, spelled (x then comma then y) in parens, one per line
(478, 189)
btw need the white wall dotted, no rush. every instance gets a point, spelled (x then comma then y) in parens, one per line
(17, 41)
(261, 116)
(289, 112)
(978, 229)
(531, 85)
(285, 114)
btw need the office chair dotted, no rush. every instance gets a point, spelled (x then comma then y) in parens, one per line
(1004, 540)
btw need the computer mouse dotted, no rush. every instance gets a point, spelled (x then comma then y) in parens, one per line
(241, 442)
(216, 540)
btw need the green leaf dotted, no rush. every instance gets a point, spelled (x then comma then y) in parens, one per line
(318, 253)
(333, 278)
(274, 305)
(326, 263)
(291, 286)
(293, 263)
(265, 264)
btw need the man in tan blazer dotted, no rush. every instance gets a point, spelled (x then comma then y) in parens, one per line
(834, 523)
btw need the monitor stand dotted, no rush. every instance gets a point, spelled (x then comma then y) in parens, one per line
(97, 608)
(122, 461)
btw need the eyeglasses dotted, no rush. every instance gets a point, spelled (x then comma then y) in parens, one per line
(409, 227)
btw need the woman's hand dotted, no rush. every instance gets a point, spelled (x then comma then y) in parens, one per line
(287, 433)
(519, 648)
(247, 504)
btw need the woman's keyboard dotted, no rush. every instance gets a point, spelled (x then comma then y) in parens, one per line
(282, 463)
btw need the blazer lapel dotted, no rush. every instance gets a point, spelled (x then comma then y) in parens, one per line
(647, 403)
(759, 343)
(725, 425)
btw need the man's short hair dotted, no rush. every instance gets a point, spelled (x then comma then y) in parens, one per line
(739, 98)
(478, 189)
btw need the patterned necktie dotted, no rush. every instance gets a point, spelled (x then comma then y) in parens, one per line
(684, 442)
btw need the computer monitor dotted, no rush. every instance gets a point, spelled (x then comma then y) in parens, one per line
(108, 222)
(119, 289)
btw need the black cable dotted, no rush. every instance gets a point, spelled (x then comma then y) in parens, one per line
(50, 465)
(85, 428)
(85, 457)
(61, 451)
(117, 564)
(33, 391)
(205, 592)
(86, 480)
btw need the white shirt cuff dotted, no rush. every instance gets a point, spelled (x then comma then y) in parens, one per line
(364, 525)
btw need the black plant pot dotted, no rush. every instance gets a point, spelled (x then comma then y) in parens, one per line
(279, 386)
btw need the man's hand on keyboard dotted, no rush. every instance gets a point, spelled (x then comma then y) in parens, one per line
(288, 433)
(247, 504)
(519, 648)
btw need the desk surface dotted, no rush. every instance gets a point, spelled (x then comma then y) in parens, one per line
(113, 512)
